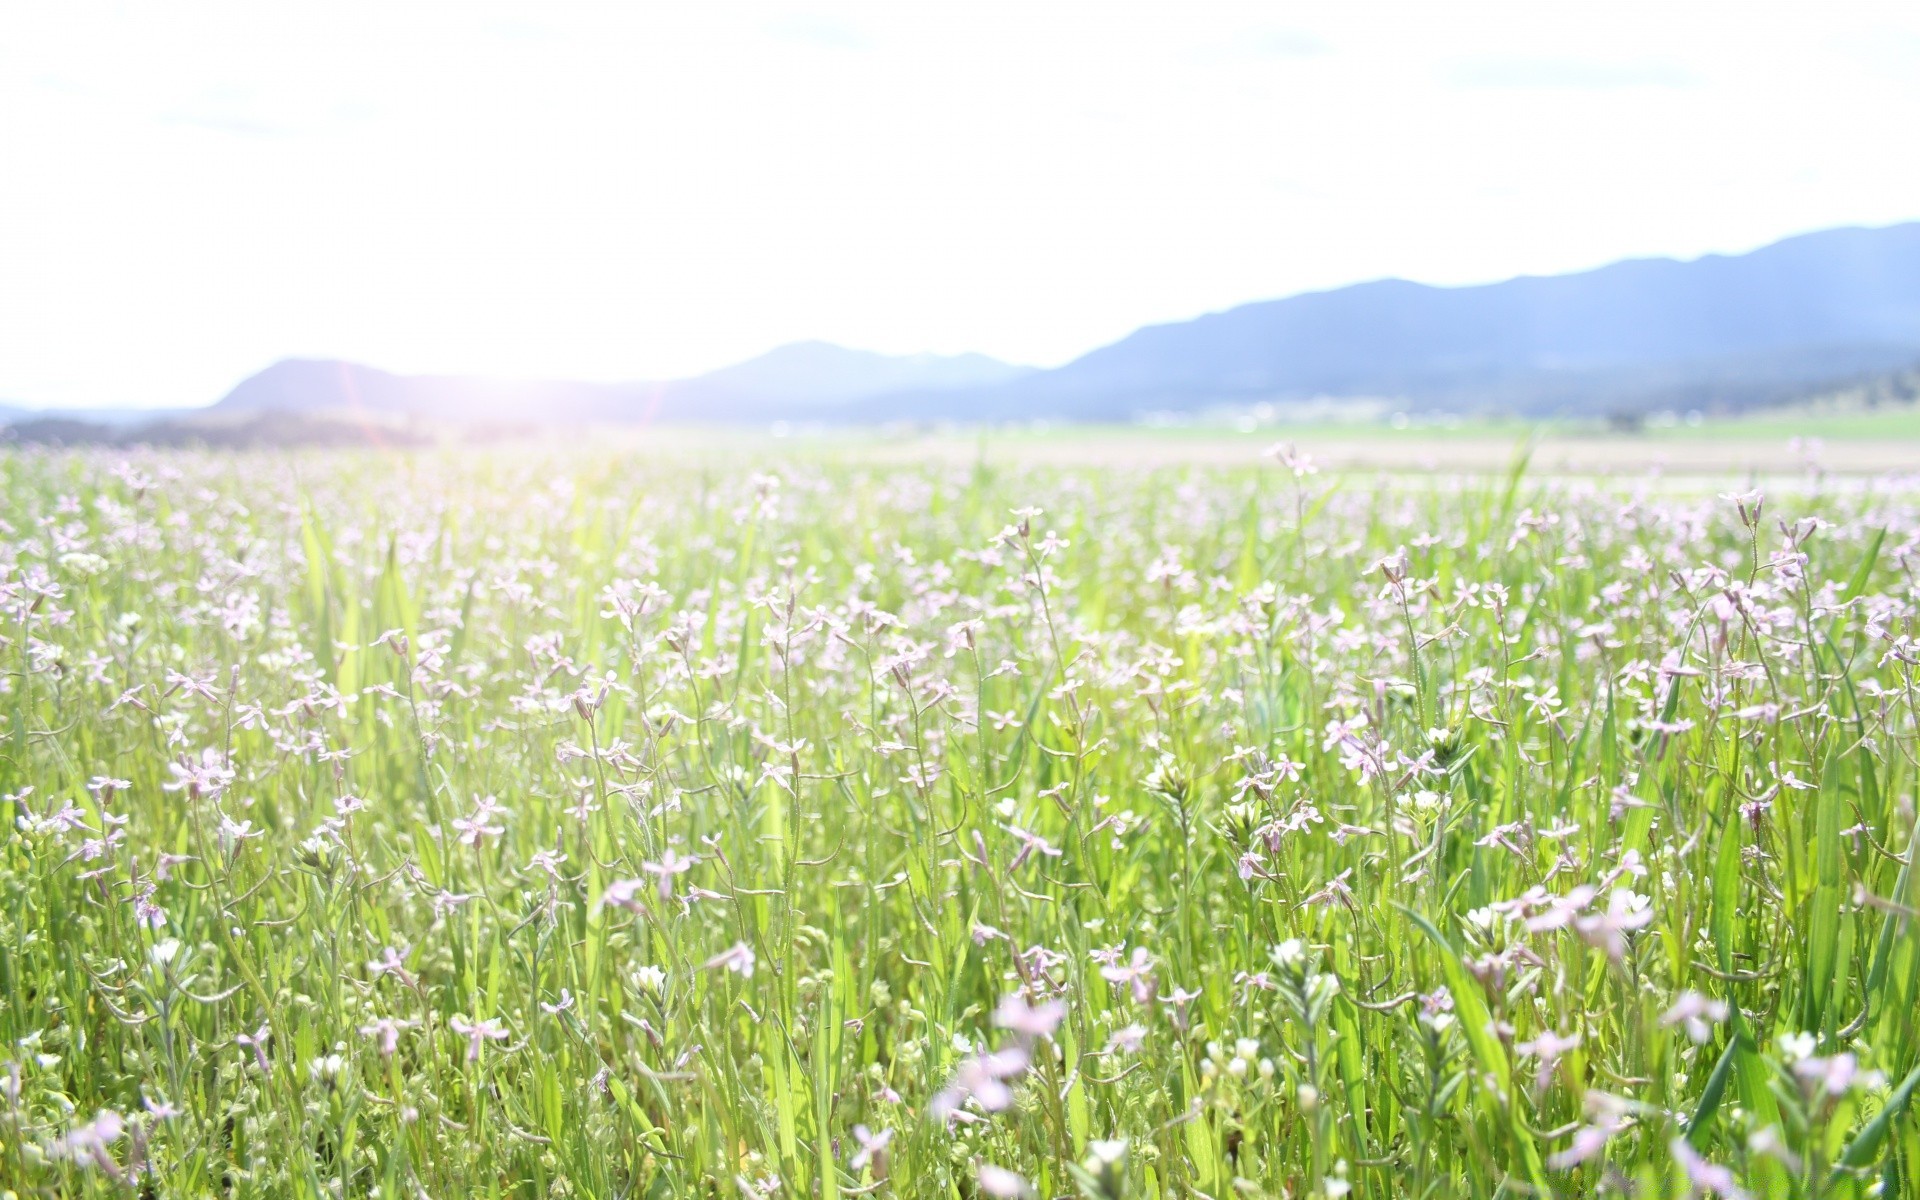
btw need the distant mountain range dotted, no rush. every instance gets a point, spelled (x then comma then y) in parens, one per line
(1718, 333)
(807, 378)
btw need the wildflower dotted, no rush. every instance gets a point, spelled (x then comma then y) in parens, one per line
(234, 833)
(1696, 1014)
(1178, 1000)
(1137, 974)
(1772, 1143)
(1103, 1170)
(873, 1149)
(1003, 1184)
(91, 1144)
(1548, 1047)
(1336, 891)
(670, 864)
(478, 1034)
(984, 933)
(103, 788)
(1292, 459)
(202, 778)
(738, 958)
(1749, 505)
(1796, 1046)
(386, 1031)
(1029, 843)
(326, 1068)
(257, 1041)
(1626, 912)
(1037, 1021)
(1703, 1176)
(1606, 1117)
(445, 901)
(473, 829)
(391, 962)
(982, 1079)
(147, 911)
(1834, 1076)
(624, 893)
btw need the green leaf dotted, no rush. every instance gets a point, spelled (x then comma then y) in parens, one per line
(1866, 1143)
(1476, 1024)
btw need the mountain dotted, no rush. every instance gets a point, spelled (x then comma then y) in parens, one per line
(807, 378)
(1723, 332)
(1716, 332)
(823, 373)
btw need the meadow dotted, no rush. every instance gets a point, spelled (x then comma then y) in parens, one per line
(476, 823)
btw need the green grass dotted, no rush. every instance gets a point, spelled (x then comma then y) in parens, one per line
(1841, 422)
(485, 824)
(1894, 421)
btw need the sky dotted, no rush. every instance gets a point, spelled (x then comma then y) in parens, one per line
(191, 191)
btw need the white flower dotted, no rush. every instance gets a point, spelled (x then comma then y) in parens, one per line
(1796, 1046)
(83, 564)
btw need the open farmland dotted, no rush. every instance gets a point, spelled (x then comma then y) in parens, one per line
(631, 825)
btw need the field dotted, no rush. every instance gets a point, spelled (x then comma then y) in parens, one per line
(792, 823)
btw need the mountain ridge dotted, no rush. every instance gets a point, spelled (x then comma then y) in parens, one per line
(801, 375)
(1719, 331)
(1635, 333)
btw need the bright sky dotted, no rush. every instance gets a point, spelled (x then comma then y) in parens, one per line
(190, 191)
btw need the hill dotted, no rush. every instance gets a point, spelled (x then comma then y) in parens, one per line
(1719, 332)
(804, 378)
(1722, 333)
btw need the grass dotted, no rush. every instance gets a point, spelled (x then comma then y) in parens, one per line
(1837, 420)
(477, 824)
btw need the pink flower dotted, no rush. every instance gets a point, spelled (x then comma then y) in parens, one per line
(1704, 1176)
(670, 864)
(91, 1144)
(386, 1031)
(1036, 1021)
(478, 1033)
(1136, 973)
(1002, 1183)
(625, 893)
(1696, 1014)
(873, 1147)
(982, 1079)
(738, 958)
(474, 829)
(1626, 912)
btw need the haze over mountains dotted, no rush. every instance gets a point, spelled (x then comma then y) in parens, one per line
(1717, 333)
(807, 378)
